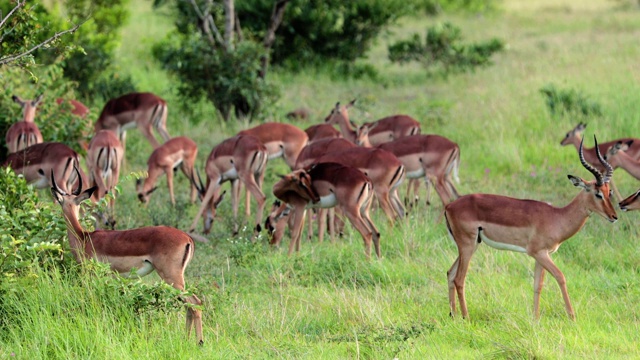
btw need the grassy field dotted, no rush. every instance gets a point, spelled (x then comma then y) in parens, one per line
(328, 302)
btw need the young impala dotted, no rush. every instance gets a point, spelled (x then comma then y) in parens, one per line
(164, 249)
(24, 133)
(327, 185)
(36, 162)
(617, 156)
(240, 158)
(142, 110)
(527, 226)
(178, 151)
(104, 158)
(574, 137)
(384, 130)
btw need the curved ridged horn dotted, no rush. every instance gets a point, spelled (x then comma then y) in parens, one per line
(591, 169)
(54, 186)
(607, 176)
(79, 189)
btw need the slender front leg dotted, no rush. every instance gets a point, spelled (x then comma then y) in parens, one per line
(546, 262)
(538, 281)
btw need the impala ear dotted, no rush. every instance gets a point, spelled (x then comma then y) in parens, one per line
(350, 104)
(37, 100)
(85, 195)
(17, 99)
(578, 182)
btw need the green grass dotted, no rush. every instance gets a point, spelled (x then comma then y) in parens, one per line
(327, 301)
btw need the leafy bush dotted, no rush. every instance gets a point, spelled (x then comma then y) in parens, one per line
(435, 7)
(569, 102)
(31, 233)
(228, 79)
(442, 50)
(314, 31)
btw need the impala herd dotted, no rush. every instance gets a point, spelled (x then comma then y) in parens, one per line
(334, 171)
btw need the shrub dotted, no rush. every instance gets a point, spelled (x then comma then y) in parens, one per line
(443, 52)
(569, 102)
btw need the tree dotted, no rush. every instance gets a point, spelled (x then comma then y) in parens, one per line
(224, 67)
(27, 29)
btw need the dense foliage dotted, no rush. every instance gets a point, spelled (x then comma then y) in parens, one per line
(569, 102)
(443, 51)
(314, 31)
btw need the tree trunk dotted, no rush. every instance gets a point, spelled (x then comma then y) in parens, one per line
(229, 19)
(276, 19)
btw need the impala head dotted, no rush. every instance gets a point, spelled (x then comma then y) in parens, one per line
(71, 202)
(631, 202)
(28, 106)
(612, 155)
(339, 113)
(362, 134)
(143, 195)
(276, 222)
(298, 182)
(574, 133)
(600, 199)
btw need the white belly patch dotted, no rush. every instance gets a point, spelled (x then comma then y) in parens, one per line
(500, 245)
(416, 174)
(175, 164)
(144, 270)
(230, 174)
(328, 201)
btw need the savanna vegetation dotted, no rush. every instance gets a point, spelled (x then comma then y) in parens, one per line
(561, 63)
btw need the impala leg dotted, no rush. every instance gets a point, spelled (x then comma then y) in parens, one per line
(441, 189)
(254, 189)
(145, 129)
(235, 194)
(538, 281)
(382, 194)
(354, 216)
(169, 172)
(465, 252)
(297, 228)
(451, 275)
(187, 170)
(208, 196)
(417, 188)
(396, 203)
(364, 211)
(194, 316)
(322, 224)
(332, 224)
(546, 262)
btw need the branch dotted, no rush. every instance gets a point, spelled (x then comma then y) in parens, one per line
(276, 19)
(19, 5)
(207, 23)
(11, 58)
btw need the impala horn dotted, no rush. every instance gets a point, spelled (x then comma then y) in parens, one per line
(591, 169)
(79, 189)
(54, 186)
(607, 176)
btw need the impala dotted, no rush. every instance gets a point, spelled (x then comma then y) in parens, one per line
(77, 108)
(575, 137)
(327, 185)
(144, 110)
(528, 226)
(281, 140)
(322, 131)
(314, 150)
(432, 157)
(104, 158)
(617, 156)
(24, 133)
(242, 158)
(38, 160)
(164, 249)
(384, 130)
(631, 202)
(300, 113)
(178, 151)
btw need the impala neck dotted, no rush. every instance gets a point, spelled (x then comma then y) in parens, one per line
(75, 232)
(627, 163)
(589, 153)
(348, 131)
(571, 218)
(29, 113)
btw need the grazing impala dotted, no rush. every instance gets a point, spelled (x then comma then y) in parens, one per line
(39, 160)
(432, 157)
(144, 110)
(327, 185)
(532, 227)
(313, 151)
(242, 158)
(322, 131)
(77, 108)
(164, 249)
(384, 130)
(617, 156)
(178, 151)
(631, 202)
(281, 140)
(24, 133)
(104, 158)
